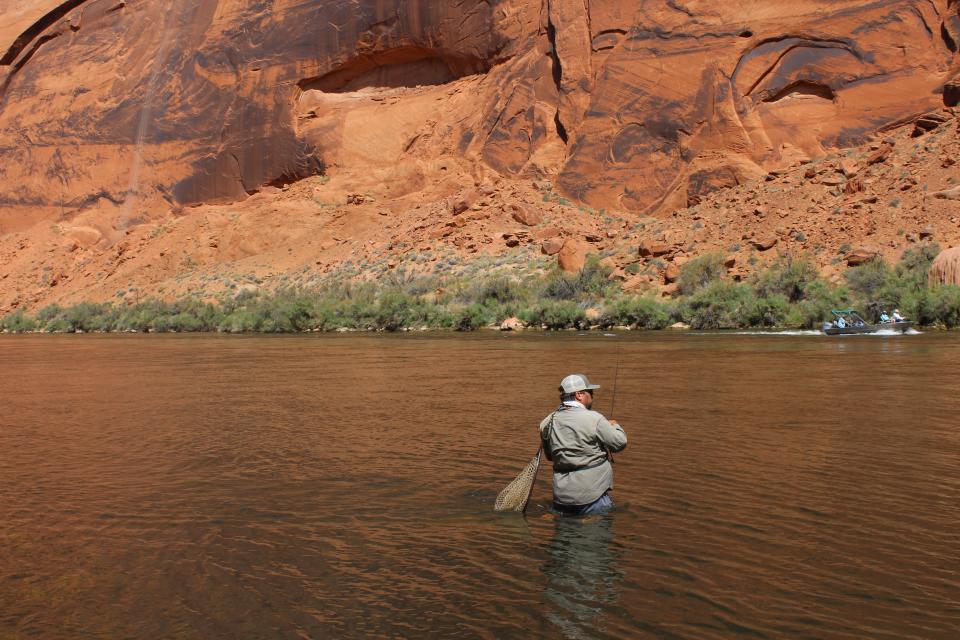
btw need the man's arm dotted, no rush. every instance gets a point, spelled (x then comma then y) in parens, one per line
(611, 434)
(545, 439)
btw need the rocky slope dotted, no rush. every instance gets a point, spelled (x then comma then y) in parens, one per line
(162, 148)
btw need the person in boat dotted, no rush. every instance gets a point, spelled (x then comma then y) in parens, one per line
(897, 317)
(884, 317)
(577, 440)
(841, 322)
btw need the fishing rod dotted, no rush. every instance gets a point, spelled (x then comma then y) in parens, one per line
(613, 400)
(616, 374)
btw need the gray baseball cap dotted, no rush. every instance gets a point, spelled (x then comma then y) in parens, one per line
(576, 382)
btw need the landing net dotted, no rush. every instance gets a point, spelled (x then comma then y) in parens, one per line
(515, 495)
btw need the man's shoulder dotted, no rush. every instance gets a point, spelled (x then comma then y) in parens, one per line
(547, 419)
(585, 415)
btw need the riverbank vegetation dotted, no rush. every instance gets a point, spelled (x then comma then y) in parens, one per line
(788, 294)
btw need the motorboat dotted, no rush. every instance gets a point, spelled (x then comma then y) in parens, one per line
(847, 322)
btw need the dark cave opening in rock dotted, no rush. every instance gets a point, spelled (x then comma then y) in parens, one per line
(396, 68)
(803, 88)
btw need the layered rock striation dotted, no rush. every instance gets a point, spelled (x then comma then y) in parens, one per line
(124, 110)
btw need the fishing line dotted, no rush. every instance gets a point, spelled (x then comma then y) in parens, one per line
(616, 374)
(613, 400)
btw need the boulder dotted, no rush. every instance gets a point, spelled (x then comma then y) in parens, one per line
(671, 273)
(636, 282)
(459, 205)
(573, 255)
(860, 255)
(511, 324)
(928, 122)
(763, 243)
(546, 232)
(952, 193)
(551, 246)
(525, 215)
(652, 248)
(881, 154)
(849, 167)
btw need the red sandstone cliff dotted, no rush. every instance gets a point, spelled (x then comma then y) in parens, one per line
(116, 114)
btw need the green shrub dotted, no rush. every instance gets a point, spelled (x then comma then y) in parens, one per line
(18, 322)
(472, 317)
(945, 306)
(819, 299)
(635, 311)
(787, 277)
(590, 283)
(394, 310)
(768, 311)
(868, 278)
(47, 314)
(700, 272)
(495, 290)
(915, 264)
(555, 314)
(719, 305)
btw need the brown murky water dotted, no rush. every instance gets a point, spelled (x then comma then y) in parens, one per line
(341, 487)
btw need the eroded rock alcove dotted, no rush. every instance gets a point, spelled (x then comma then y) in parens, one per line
(143, 106)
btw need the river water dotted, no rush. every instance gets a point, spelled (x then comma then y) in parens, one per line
(341, 486)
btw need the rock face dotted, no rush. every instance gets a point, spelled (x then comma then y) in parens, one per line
(946, 267)
(140, 107)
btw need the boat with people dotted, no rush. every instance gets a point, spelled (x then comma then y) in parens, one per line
(847, 322)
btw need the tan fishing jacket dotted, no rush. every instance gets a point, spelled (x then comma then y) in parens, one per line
(573, 438)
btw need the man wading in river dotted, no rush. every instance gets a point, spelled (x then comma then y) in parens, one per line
(576, 440)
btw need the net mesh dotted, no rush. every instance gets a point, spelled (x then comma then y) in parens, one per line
(515, 495)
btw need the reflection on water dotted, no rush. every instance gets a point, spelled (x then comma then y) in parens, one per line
(582, 574)
(342, 487)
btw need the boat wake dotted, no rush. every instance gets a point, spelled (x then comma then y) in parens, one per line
(894, 332)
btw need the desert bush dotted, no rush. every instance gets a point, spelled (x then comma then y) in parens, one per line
(18, 322)
(48, 313)
(766, 311)
(719, 305)
(635, 311)
(945, 306)
(495, 290)
(915, 264)
(555, 314)
(472, 317)
(589, 284)
(700, 272)
(868, 278)
(819, 299)
(788, 277)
